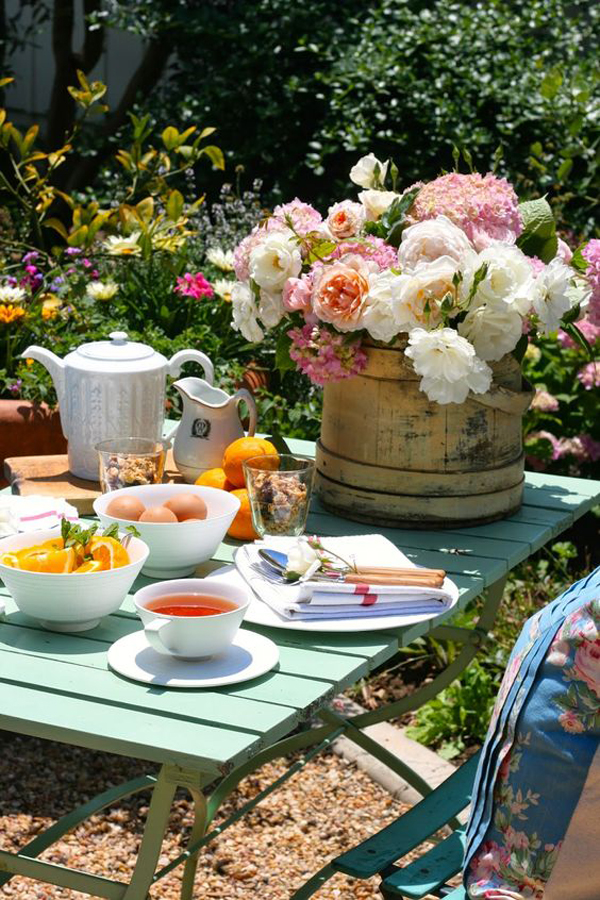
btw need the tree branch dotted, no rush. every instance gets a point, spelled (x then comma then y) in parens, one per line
(61, 113)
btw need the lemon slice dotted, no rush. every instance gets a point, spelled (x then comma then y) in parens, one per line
(108, 551)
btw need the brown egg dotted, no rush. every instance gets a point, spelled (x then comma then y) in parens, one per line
(158, 514)
(187, 506)
(125, 507)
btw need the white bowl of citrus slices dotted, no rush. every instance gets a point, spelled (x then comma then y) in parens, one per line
(68, 578)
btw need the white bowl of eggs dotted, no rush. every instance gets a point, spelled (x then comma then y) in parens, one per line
(182, 524)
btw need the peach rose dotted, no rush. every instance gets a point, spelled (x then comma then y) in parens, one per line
(340, 292)
(587, 665)
(345, 219)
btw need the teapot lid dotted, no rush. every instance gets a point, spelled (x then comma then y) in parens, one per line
(118, 349)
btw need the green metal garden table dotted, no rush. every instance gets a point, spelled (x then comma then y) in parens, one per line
(59, 687)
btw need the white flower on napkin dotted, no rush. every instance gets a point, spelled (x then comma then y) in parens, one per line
(303, 560)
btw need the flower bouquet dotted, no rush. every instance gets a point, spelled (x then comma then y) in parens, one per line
(455, 276)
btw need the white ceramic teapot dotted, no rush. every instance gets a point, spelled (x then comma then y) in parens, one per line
(209, 423)
(109, 389)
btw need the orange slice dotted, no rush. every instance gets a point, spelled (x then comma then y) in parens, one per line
(54, 561)
(108, 551)
(10, 559)
(91, 565)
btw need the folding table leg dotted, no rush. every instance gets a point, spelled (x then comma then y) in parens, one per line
(198, 829)
(154, 832)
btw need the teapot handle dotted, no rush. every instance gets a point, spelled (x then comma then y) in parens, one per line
(248, 399)
(183, 356)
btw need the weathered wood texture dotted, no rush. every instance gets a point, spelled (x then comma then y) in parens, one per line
(388, 455)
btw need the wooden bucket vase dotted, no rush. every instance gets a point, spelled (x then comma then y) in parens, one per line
(388, 455)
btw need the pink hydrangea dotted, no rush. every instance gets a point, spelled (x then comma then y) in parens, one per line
(484, 206)
(548, 436)
(536, 264)
(591, 254)
(589, 376)
(325, 356)
(544, 401)
(590, 331)
(371, 248)
(194, 286)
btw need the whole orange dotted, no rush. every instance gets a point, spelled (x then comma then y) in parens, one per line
(215, 478)
(241, 528)
(241, 450)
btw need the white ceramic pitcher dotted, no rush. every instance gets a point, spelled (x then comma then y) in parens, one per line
(110, 389)
(210, 422)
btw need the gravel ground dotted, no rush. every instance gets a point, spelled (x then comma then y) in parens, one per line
(271, 852)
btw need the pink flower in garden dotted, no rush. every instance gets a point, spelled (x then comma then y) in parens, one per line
(304, 217)
(340, 291)
(324, 356)
(591, 447)
(345, 219)
(371, 248)
(591, 254)
(548, 436)
(589, 376)
(297, 294)
(194, 286)
(536, 264)
(571, 722)
(590, 331)
(484, 206)
(564, 252)
(582, 447)
(544, 401)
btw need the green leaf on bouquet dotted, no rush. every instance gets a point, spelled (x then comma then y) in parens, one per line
(283, 360)
(394, 218)
(575, 334)
(538, 237)
(521, 348)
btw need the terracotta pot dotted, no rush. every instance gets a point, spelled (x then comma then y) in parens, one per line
(29, 429)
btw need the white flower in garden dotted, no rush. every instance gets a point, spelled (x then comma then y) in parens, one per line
(448, 365)
(270, 309)
(427, 241)
(303, 559)
(378, 313)
(364, 173)
(416, 298)
(221, 259)
(509, 279)
(101, 290)
(9, 294)
(244, 312)
(494, 329)
(274, 260)
(115, 245)
(376, 203)
(556, 295)
(223, 288)
(345, 219)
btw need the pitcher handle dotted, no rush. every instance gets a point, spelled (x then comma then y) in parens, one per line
(183, 356)
(248, 399)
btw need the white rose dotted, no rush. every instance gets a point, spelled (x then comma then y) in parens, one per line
(376, 203)
(274, 260)
(556, 295)
(509, 279)
(416, 298)
(448, 364)
(493, 329)
(302, 559)
(378, 313)
(244, 312)
(270, 309)
(427, 241)
(363, 173)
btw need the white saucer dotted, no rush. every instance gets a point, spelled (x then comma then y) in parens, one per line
(249, 656)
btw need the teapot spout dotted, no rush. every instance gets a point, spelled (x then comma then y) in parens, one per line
(55, 365)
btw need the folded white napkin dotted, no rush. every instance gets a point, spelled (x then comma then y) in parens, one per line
(312, 600)
(32, 513)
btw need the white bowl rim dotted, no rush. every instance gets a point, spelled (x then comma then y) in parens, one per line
(105, 572)
(163, 524)
(184, 582)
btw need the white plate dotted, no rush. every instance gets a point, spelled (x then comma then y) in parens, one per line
(249, 656)
(259, 613)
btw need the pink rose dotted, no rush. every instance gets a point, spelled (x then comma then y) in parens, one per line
(587, 665)
(559, 653)
(564, 252)
(345, 219)
(297, 294)
(571, 722)
(340, 292)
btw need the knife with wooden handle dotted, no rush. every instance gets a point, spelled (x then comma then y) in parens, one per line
(406, 579)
